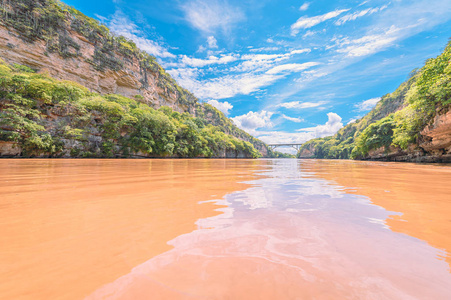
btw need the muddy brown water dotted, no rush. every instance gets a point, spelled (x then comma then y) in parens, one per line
(224, 229)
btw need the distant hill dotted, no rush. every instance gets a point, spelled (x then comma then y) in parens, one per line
(411, 124)
(71, 88)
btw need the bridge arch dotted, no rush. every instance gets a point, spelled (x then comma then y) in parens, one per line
(293, 145)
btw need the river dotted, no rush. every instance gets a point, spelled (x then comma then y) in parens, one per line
(224, 229)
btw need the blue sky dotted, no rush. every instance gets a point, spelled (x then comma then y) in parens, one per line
(285, 71)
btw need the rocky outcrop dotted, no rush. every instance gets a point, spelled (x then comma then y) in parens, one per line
(307, 152)
(434, 144)
(437, 136)
(9, 149)
(131, 80)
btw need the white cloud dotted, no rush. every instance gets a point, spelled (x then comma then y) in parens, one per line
(263, 62)
(209, 16)
(308, 33)
(369, 44)
(332, 125)
(358, 14)
(101, 18)
(300, 51)
(121, 25)
(212, 42)
(221, 106)
(304, 6)
(253, 120)
(301, 105)
(291, 68)
(212, 60)
(367, 104)
(353, 120)
(252, 73)
(265, 57)
(296, 120)
(250, 62)
(391, 27)
(264, 49)
(209, 45)
(305, 22)
(221, 87)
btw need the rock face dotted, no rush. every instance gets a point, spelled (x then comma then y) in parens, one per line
(307, 152)
(9, 149)
(131, 80)
(438, 135)
(434, 145)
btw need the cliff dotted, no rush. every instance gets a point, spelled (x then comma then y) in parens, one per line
(411, 124)
(45, 117)
(73, 47)
(60, 43)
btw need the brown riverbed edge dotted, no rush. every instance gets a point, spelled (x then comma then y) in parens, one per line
(404, 157)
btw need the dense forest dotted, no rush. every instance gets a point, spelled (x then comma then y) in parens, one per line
(397, 122)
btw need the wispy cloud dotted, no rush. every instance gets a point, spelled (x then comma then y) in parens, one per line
(367, 104)
(359, 14)
(120, 24)
(251, 73)
(210, 46)
(212, 15)
(212, 42)
(263, 62)
(264, 49)
(225, 107)
(371, 43)
(222, 87)
(306, 22)
(301, 105)
(384, 32)
(296, 120)
(290, 68)
(212, 60)
(304, 6)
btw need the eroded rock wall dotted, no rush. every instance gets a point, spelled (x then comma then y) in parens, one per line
(130, 81)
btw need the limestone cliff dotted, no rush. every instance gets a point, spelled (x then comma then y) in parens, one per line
(150, 82)
(437, 136)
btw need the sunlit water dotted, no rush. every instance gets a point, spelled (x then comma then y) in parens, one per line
(224, 229)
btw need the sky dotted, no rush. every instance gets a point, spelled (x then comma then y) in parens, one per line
(285, 71)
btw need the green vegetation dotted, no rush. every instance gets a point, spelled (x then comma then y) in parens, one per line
(277, 154)
(218, 119)
(42, 115)
(398, 119)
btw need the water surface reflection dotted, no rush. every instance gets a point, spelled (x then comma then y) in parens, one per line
(69, 226)
(299, 232)
(421, 193)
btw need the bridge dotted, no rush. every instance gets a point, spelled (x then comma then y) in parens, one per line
(295, 146)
